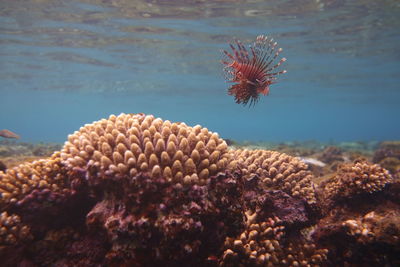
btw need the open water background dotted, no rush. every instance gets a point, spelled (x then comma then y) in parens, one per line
(67, 63)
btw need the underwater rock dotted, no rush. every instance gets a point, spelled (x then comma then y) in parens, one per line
(387, 149)
(155, 222)
(276, 203)
(134, 190)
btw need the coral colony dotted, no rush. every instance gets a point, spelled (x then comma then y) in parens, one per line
(252, 74)
(135, 190)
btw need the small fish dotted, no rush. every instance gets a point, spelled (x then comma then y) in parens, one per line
(252, 73)
(313, 161)
(8, 134)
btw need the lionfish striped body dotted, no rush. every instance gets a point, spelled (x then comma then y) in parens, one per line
(253, 73)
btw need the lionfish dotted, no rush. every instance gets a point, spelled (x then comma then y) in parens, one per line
(252, 74)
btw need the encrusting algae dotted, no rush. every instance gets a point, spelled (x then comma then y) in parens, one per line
(134, 190)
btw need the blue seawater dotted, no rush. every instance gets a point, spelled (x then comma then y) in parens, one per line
(67, 63)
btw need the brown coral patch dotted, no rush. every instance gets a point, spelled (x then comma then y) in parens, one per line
(17, 183)
(153, 222)
(276, 171)
(358, 178)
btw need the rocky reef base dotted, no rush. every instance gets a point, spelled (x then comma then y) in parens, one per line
(134, 190)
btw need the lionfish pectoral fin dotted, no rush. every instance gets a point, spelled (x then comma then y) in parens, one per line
(264, 90)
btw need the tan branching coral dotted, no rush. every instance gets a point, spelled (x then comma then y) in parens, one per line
(127, 144)
(257, 245)
(30, 186)
(12, 230)
(18, 182)
(263, 244)
(356, 178)
(276, 170)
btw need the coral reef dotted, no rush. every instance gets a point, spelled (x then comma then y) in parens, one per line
(276, 170)
(361, 239)
(12, 231)
(388, 156)
(125, 145)
(134, 190)
(261, 244)
(361, 177)
(361, 208)
(31, 181)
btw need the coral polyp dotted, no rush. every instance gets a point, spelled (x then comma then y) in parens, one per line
(252, 73)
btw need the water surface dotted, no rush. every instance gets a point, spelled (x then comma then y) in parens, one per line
(67, 63)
